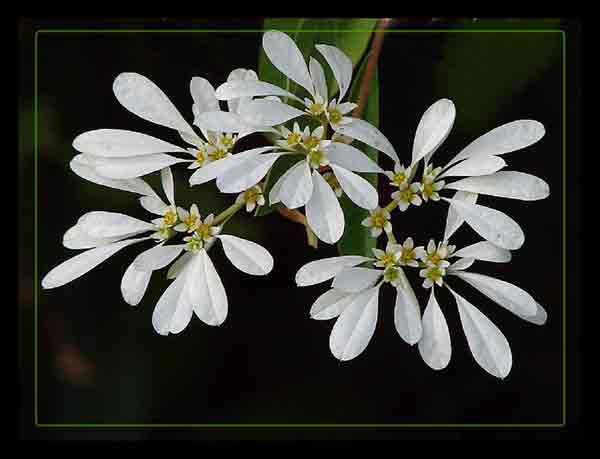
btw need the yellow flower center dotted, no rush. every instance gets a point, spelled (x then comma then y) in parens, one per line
(191, 220)
(434, 274)
(293, 138)
(226, 141)
(316, 108)
(200, 156)
(310, 142)
(204, 231)
(435, 258)
(379, 221)
(315, 158)
(399, 178)
(407, 255)
(428, 189)
(251, 195)
(217, 154)
(406, 195)
(388, 260)
(334, 116)
(170, 218)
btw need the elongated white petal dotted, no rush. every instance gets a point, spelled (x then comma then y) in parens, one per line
(505, 184)
(433, 128)
(407, 315)
(210, 299)
(177, 267)
(360, 191)
(355, 326)
(247, 256)
(287, 58)
(319, 271)
(317, 74)
(235, 75)
(454, 220)
(134, 284)
(480, 165)
(297, 187)
(264, 112)
(367, 133)
(111, 224)
(246, 88)
(340, 65)
(76, 238)
(246, 174)
(136, 166)
(217, 168)
(219, 121)
(461, 264)
(487, 343)
(172, 313)
(142, 97)
(276, 188)
(80, 264)
(166, 178)
(153, 205)
(85, 169)
(490, 224)
(157, 257)
(485, 251)
(331, 304)
(504, 139)
(503, 293)
(435, 347)
(118, 143)
(356, 279)
(323, 211)
(351, 158)
(203, 95)
(539, 318)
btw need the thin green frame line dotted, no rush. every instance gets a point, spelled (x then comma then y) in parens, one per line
(300, 425)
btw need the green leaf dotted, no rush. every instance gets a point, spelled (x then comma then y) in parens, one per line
(350, 35)
(357, 239)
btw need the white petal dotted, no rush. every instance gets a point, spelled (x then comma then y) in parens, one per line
(351, 158)
(318, 77)
(142, 97)
(355, 326)
(166, 178)
(263, 112)
(203, 95)
(118, 143)
(505, 184)
(247, 256)
(208, 293)
(134, 284)
(80, 264)
(246, 174)
(504, 139)
(287, 58)
(461, 264)
(485, 251)
(539, 318)
(217, 168)
(176, 268)
(407, 315)
(153, 205)
(356, 279)
(488, 345)
(111, 224)
(241, 88)
(235, 75)
(173, 310)
(296, 188)
(491, 224)
(435, 347)
(503, 293)
(433, 128)
(157, 257)
(454, 220)
(76, 238)
(276, 188)
(340, 65)
(480, 165)
(219, 121)
(359, 190)
(331, 304)
(85, 169)
(135, 166)
(323, 211)
(319, 271)
(367, 133)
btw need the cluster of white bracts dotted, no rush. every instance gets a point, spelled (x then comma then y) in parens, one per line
(327, 167)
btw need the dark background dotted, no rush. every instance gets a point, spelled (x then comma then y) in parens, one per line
(100, 361)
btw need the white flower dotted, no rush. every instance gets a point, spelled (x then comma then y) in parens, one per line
(399, 176)
(388, 258)
(252, 197)
(378, 221)
(353, 299)
(409, 253)
(287, 58)
(298, 186)
(487, 344)
(407, 195)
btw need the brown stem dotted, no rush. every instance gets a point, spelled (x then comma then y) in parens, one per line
(365, 84)
(298, 217)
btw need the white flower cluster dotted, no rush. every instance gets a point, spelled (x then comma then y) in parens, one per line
(318, 131)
